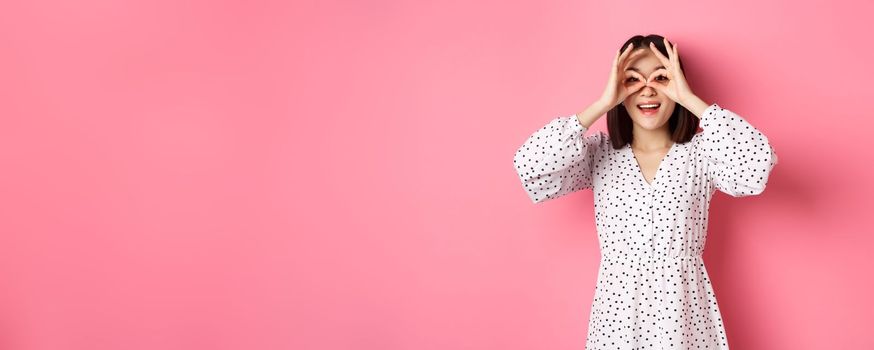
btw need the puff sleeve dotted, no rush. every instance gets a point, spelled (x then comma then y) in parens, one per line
(557, 160)
(738, 156)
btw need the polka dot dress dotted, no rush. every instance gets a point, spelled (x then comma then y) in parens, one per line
(652, 289)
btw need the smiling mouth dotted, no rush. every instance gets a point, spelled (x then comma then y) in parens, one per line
(649, 108)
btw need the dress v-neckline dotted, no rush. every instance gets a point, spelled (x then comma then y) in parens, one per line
(658, 172)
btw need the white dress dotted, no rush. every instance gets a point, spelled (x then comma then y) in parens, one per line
(652, 290)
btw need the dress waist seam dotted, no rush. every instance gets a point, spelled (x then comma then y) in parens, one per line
(648, 257)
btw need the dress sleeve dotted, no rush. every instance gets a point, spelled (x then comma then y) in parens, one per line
(738, 156)
(556, 159)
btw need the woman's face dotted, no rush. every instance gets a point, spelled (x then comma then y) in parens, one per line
(646, 64)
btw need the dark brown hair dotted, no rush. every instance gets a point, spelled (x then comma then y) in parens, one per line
(682, 124)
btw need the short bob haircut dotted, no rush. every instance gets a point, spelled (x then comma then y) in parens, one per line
(682, 124)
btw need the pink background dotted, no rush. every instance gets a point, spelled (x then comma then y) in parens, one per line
(338, 175)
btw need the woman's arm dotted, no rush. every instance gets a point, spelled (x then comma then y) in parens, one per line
(556, 159)
(695, 105)
(739, 158)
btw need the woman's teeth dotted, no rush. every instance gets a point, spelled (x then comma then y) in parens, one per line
(649, 109)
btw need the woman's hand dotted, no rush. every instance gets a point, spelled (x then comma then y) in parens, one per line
(677, 88)
(618, 88)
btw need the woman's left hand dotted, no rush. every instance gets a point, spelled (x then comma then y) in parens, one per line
(677, 88)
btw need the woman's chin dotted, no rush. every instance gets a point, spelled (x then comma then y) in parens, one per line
(649, 122)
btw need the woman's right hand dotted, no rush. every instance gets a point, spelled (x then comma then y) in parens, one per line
(617, 87)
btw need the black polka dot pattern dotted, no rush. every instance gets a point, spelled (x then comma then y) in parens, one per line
(652, 289)
(738, 156)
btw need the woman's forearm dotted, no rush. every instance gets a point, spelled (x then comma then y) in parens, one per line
(591, 114)
(695, 105)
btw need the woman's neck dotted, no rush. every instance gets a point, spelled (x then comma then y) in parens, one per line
(651, 140)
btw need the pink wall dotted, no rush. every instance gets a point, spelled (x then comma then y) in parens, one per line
(338, 175)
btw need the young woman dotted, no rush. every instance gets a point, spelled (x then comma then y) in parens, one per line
(653, 178)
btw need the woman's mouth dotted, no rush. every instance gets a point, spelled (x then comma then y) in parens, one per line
(649, 108)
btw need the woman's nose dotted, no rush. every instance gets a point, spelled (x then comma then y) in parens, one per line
(648, 89)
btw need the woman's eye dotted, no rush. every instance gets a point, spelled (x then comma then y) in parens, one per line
(630, 79)
(662, 76)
